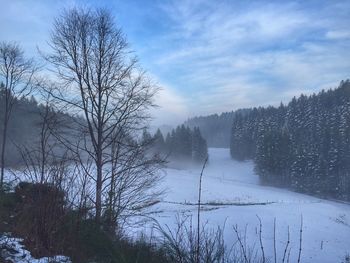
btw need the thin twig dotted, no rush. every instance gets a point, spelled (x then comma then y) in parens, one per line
(289, 254)
(274, 239)
(286, 248)
(199, 208)
(260, 239)
(241, 243)
(300, 237)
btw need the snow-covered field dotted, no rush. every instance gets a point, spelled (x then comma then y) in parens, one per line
(231, 195)
(326, 224)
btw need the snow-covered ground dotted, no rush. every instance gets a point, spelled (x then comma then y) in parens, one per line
(12, 250)
(231, 195)
(326, 224)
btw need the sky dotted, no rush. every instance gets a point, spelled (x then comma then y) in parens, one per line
(212, 56)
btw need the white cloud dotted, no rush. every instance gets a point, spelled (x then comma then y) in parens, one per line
(213, 30)
(338, 34)
(218, 56)
(172, 107)
(259, 53)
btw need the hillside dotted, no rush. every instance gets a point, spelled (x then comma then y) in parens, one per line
(304, 145)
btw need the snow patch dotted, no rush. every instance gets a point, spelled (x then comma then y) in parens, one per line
(13, 251)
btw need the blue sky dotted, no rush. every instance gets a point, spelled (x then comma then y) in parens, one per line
(213, 56)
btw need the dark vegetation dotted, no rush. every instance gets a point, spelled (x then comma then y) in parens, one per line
(304, 145)
(24, 126)
(39, 214)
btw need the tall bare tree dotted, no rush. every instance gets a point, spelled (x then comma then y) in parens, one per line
(16, 73)
(101, 81)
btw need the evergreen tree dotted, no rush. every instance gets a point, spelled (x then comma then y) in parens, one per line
(303, 145)
(182, 144)
(199, 146)
(159, 143)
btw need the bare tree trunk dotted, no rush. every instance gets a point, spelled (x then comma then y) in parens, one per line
(18, 73)
(111, 194)
(98, 194)
(43, 145)
(3, 146)
(7, 114)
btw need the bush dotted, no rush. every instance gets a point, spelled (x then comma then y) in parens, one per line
(38, 214)
(97, 245)
(7, 208)
(40, 210)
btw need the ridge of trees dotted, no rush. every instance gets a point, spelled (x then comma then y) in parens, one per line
(23, 129)
(304, 145)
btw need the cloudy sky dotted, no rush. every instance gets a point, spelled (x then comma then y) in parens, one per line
(213, 56)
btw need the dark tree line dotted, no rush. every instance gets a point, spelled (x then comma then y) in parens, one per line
(25, 126)
(304, 145)
(182, 143)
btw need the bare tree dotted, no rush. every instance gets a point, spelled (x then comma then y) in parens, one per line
(133, 176)
(102, 82)
(16, 72)
(42, 155)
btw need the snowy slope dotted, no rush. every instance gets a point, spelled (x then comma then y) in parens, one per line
(326, 231)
